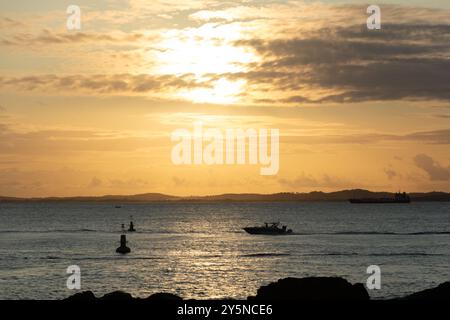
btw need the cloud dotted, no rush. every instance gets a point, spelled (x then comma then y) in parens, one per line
(6, 23)
(434, 169)
(328, 50)
(95, 182)
(130, 183)
(435, 136)
(406, 61)
(309, 181)
(180, 182)
(299, 53)
(432, 137)
(48, 37)
(102, 83)
(390, 173)
(424, 33)
(65, 141)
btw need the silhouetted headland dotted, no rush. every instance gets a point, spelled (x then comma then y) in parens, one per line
(342, 195)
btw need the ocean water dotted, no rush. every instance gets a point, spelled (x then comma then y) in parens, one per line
(200, 250)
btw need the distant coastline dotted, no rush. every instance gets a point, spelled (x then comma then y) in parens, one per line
(342, 195)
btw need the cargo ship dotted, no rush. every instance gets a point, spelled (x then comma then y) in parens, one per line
(398, 198)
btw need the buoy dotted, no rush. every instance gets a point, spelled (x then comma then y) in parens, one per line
(131, 228)
(123, 249)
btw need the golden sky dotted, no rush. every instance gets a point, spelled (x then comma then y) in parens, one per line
(91, 111)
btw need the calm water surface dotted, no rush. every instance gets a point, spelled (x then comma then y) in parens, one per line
(201, 251)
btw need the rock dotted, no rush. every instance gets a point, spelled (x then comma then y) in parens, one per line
(312, 288)
(441, 292)
(122, 296)
(164, 296)
(82, 296)
(117, 295)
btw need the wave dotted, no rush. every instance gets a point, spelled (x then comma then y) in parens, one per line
(407, 254)
(391, 254)
(265, 254)
(375, 233)
(144, 231)
(250, 255)
(155, 232)
(51, 231)
(429, 232)
(100, 258)
(392, 233)
(331, 254)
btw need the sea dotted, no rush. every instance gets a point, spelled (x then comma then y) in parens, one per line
(199, 250)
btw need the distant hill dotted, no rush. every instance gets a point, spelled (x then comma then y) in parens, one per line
(342, 195)
(146, 197)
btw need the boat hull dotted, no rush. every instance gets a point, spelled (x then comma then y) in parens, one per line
(267, 231)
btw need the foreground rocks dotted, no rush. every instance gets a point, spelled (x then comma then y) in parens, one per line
(306, 289)
(441, 292)
(312, 288)
(121, 296)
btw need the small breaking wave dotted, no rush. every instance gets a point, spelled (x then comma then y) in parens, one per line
(264, 254)
(375, 233)
(183, 232)
(331, 254)
(392, 233)
(99, 258)
(429, 232)
(51, 258)
(390, 254)
(406, 254)
(51, 231)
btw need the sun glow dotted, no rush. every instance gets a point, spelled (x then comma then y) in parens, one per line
(206, 53)
(222, 92)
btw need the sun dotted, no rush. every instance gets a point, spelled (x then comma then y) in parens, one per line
(206, 52)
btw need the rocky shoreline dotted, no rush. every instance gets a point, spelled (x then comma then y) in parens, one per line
(300, 289)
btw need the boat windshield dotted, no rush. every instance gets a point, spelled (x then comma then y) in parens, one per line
(271, 224)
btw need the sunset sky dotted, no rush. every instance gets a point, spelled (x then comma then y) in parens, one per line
(91, 112)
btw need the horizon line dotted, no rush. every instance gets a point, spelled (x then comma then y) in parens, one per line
(208, 195)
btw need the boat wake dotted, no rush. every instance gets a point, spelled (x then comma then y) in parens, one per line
(374, 233)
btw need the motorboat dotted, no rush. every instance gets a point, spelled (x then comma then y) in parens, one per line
(272, 228)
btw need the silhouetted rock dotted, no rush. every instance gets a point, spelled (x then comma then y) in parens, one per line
(117, 295)
(122, 296)
(307, 289)
(313, 288)
(164, 296)
(82, 296)
(441, 292)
